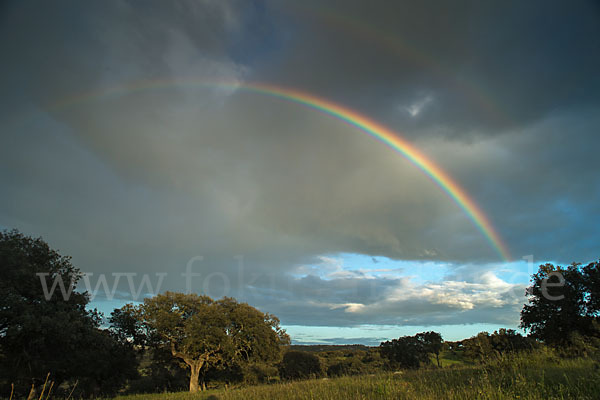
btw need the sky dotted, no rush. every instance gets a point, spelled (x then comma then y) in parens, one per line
(133, 139)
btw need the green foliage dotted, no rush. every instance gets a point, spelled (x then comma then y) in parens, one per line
(127, 326)
(537, 375)
(432, 343)
(556, 309)
(159, 372)
(300, 365)
(372, 361)
(479, 347)
(203, 333)
(509, 340)
(411, 351)
(347, 367)
(579, 345)
(42, 332)
(485, 347)
(242, 374)
(105, 365)
(256, 373)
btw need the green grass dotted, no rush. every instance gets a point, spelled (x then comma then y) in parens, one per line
(450, 358)
(533, 376)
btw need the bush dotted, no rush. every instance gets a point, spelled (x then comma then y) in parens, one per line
(300, 365)
(484, 346)
(348, 367)
(260, 373)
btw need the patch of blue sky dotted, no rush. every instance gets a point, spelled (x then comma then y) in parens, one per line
(372, 335)
(334, 265)
(106, 306)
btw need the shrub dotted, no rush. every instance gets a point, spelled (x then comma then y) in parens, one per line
(348, 367)
(300, 365)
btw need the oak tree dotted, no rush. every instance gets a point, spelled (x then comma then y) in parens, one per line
(205, 333)
(563, 301)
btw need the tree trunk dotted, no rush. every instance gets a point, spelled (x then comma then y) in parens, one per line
(437, 357)
(194, 374)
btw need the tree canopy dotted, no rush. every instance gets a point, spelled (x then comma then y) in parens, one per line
(432, 343)
(202, 332)
(484, 346)
(411, 351)
(44, 331)
(562, 302)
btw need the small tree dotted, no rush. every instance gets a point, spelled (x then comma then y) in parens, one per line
(204, 333)
(405, 352)
(510, 341)
(432, 343)
(478, 348)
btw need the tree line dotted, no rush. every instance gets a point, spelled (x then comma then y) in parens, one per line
(41, 334)
(176, 339)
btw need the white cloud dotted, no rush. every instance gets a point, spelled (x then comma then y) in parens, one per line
(415, 108)
(352, 299)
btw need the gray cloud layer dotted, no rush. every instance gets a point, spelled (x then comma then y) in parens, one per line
(503, 96)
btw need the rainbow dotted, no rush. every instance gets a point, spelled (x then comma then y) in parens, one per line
(344, 114)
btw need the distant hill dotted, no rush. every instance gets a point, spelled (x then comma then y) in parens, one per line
(328, 347)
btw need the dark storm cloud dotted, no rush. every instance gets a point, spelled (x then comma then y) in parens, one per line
(486, 65)
(503, 96)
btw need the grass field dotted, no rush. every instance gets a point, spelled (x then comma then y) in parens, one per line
(532, 376)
